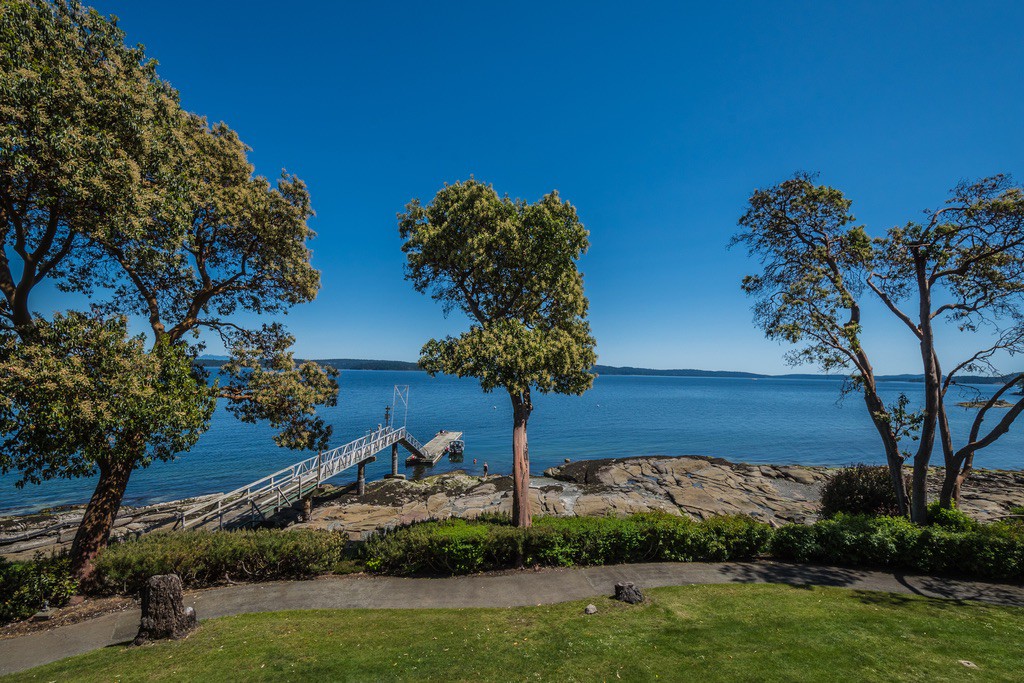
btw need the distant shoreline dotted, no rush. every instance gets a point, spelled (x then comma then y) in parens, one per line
(625, 371)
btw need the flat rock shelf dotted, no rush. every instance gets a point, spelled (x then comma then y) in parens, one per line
(697, 486)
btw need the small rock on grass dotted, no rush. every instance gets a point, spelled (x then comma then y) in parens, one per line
(590, 609)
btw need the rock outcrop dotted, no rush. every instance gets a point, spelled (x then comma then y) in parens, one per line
(697, 486)
(691, 485)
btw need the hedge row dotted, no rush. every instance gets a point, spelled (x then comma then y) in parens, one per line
(458, 546)
(25, 587)
(951, 544)
(948, 546)
(203, 558)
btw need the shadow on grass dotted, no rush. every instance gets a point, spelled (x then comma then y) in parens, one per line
(949, 591)
(797, 575)
(961, 590)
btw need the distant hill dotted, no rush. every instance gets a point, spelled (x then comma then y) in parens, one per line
(628, 370)
(208, 361)
(363, 364)
(369, 364)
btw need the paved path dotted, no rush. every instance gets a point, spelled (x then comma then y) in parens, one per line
(511, 589)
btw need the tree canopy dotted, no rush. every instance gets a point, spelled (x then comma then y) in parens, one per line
(511, 268)
(87, 143)
(85, 390)
(110, 191)
(813, 259)
(962, 266)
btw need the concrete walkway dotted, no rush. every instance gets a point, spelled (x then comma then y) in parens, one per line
(511, 589)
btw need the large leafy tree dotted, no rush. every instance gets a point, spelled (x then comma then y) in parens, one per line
(84, 396)
(511, 267)
(963, 266)
(813, 258)
(87, 144)
(112, 192)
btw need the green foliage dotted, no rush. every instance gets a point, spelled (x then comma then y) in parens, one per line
(950, 518)
(25, 587)
(204, 558)
(905, 424)
(263, 382)
(510, 266)
(811, 253)
(459, 546)
(85, 144)
(81, 390)
(111, 191)
(984, 551)
(860, 489)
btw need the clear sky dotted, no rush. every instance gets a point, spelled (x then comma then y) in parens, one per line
(655, 120)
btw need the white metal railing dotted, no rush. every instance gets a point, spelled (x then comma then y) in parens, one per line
(285, 487)
(411, 440)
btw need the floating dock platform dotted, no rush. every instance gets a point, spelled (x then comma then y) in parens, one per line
(434, 449)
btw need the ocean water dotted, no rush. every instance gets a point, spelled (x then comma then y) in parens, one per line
(777, 421)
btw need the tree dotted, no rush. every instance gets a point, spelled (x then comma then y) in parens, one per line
(82, 396)
(511, 267)
(86, 144)
(964, 265)
(813, 260)
(111, 191)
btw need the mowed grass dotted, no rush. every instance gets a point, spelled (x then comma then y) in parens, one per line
(703, 633)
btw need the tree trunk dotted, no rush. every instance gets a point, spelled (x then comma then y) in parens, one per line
(952, 480)
(94, 530)
(876, 408)
(932, 395)
(882, 421)
(959, 465)
(521, 409)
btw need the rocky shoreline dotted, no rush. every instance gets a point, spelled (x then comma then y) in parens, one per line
(698, 486)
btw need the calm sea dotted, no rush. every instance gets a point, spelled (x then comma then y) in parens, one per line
(761, 421)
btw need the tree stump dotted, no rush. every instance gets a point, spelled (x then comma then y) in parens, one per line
(164, 614)
(627, 592)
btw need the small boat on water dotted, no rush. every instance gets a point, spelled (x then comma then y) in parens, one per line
(456, 447)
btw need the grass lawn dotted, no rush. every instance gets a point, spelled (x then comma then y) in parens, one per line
(702, 633)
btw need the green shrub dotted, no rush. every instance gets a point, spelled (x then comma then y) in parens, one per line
(458, 546)
(795, 543)
(989, 551)
(25, 587)
(859, 490)
(950, 518)
(203, 558)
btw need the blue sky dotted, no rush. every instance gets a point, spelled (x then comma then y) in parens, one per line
(655, 120)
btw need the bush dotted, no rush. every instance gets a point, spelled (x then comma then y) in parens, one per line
(990, 551)
(203, 558)
(859, 490)
(25, 587)
(458, 546)
(950, 518)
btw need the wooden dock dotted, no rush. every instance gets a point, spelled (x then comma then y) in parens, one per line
(434, 449)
